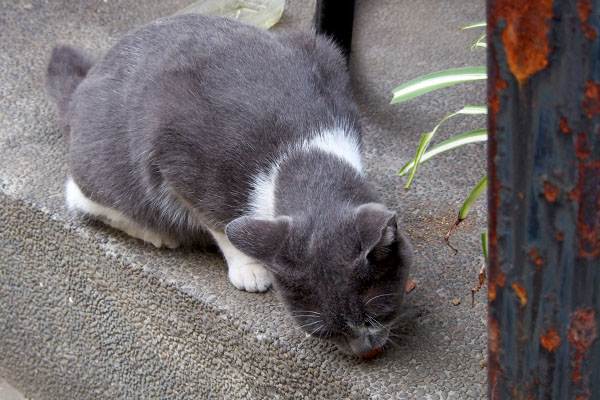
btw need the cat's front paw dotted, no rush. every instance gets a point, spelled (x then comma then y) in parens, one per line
(251, 277)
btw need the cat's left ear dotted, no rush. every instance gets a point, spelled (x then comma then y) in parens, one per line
(257, 237)
(377, 227)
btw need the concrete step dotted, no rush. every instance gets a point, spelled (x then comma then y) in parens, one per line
(87, 312)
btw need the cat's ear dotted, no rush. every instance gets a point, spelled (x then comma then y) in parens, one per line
(257, 237)
(377, 227)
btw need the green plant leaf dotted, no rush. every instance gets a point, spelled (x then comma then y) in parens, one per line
(479, 42)
(484, 247)
(426, 139)
(473, 196)
(437, 80)
(479, 135)
(475, 25)
(473, 110)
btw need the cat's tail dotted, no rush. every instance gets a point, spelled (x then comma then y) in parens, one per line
(67, 68)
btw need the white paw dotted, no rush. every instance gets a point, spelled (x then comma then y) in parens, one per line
(251, 277)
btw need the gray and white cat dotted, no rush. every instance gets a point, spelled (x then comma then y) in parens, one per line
(196, 123)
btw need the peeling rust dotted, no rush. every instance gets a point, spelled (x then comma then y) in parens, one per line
(591, 102)
(582, 334)
(582, 147)
(564, 125)
(534, 257)
(550, 191)
(494, 368)
(525, 36)
(587, 195)
(584, 8)
(550, 340)
(521, 292)
(499, 279)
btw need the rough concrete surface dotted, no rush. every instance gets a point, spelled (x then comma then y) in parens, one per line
(87, 312)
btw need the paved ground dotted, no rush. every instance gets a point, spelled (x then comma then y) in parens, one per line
(85, 310)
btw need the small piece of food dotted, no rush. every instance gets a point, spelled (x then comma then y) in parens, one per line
(410, 285)
(370, 354)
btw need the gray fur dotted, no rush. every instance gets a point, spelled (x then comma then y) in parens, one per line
(184, 113)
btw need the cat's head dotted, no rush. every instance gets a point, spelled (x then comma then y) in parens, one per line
(342, 275)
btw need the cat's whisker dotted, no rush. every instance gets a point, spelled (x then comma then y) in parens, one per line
(311, 323)
(376, 323)
(382, 295)
(305, 312)
(317, 329)
(306, 316)
(308, 335)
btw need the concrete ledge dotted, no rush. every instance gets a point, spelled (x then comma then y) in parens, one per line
(90, 321)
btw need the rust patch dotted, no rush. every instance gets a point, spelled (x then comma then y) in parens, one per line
(525, 37)
(521, 292)
(494, 369)
(587, 195)
(534, 257)
(564, 126)
(582, 148)
(499, 85)
(499, 280)
(582, 334)
(560, 236)
(550, 191)
(584, 8)
(591, 102)
(550, 340)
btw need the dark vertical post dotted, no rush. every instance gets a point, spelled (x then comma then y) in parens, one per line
(335, 18)
(544, 199)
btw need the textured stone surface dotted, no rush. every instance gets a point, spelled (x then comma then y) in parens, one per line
(86, 312)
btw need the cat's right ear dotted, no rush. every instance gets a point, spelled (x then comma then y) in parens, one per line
(259, 238)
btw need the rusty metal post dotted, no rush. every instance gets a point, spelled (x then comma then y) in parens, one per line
(544, 199)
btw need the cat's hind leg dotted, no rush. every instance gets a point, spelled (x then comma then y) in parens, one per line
(245, 273)
(76, 200)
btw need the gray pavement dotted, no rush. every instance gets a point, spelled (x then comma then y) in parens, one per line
(86, 312)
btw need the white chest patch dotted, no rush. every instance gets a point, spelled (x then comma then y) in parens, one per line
(337, 141)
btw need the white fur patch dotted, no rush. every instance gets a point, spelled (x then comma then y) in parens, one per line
(337, 141)
(245, 273)
(76, 200)
(262, 197)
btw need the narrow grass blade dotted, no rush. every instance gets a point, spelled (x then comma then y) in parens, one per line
(484, 246)
(479, 42)
(479, 135)
(426, 139)
(437, 80)
(473, 110)
(475, 25)
(464, 210)
(473, 196)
